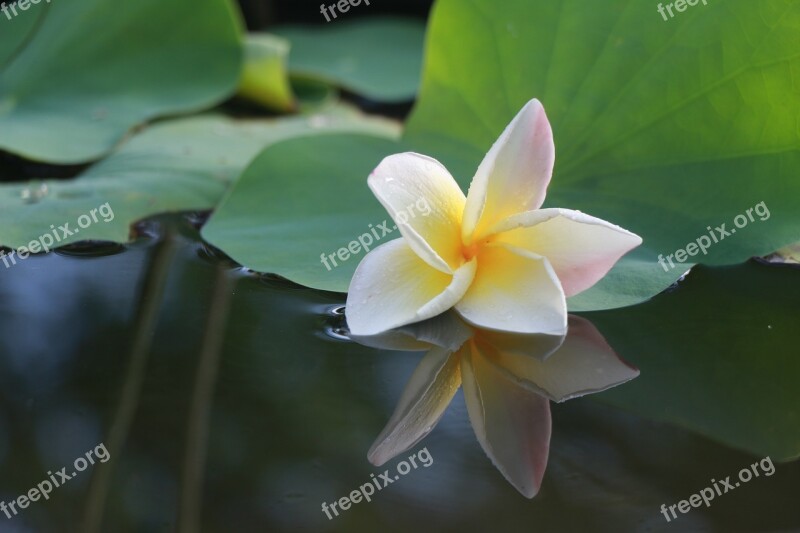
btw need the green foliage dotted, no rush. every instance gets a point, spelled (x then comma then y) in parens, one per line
(379, 58)
(76, 76)
(316, 201)
(184, 164)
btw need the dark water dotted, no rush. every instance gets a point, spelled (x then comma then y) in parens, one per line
(227, 403)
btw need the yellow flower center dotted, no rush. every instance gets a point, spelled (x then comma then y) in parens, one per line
(470, 251)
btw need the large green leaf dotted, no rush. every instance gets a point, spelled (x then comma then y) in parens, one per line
(377, 57)
(315, 202)
(76, 75)
(663, 127)
(14, 36)
(183, 164)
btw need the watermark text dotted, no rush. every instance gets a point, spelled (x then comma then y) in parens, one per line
(704, 242)
(365, 241)
(343, 5)
(679, 5)
(46, 241)
(365, 491)
(53, 481)
(717, 488)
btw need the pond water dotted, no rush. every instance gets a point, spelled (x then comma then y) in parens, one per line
(232, 401)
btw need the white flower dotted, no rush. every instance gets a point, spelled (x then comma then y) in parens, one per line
(494, 256)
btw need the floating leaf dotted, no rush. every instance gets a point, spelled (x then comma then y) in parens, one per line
(77, 75)
(378, 57)
(315, 202)
(664, 127)
(184, 164)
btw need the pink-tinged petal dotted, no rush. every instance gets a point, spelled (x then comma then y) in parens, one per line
(513, 176)
(423, 402)
(511, 423)
(426, 203)
(584, 364)
(581, 248)
(393, 287)
(514, 290)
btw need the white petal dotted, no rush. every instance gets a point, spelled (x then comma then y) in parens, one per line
(581, 248)
(584, 364)
(447, 330)
(393, 287)
(511, 423)
(426, 203)
(514, 290)
(513, 176)
(425, 398)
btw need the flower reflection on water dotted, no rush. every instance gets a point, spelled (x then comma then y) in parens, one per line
(508, 379)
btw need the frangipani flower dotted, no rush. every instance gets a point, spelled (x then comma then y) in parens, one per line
(508, 380)
(494, 255)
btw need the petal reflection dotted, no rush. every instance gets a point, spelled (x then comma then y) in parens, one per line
(583, 364)
(511, 423)
(427, 394)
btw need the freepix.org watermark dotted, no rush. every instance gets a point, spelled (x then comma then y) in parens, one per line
(704, 242)
(679, 5)
(718, 488)
(46, 241)
(343, 5)
(23, 5)
(366, 490)
(365, 241)
(54, 480)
